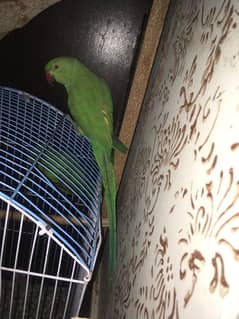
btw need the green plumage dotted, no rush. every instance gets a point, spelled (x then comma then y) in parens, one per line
(61, 170)
(90, 105)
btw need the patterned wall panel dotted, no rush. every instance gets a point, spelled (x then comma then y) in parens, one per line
(178, 215)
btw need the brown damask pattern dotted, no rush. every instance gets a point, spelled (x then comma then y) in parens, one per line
(179, 199)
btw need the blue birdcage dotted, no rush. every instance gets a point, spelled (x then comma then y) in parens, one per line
(50, 197)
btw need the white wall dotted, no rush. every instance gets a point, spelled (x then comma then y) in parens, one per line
(178, 215)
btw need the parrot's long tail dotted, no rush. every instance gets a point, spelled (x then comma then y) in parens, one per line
(118, 145)
(109, 183)
(110, 199)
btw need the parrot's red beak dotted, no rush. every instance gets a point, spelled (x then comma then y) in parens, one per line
(50, 78)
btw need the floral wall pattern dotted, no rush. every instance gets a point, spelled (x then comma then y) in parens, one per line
(178, 215)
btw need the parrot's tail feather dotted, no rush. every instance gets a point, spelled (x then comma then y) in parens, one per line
(118, 145)
(103, 159)
(110, 199)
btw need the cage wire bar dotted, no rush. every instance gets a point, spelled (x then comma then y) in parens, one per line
(50, 197)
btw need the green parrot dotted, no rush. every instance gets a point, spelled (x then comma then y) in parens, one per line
(91, 107)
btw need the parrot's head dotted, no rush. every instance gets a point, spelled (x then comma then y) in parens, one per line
(60, 69)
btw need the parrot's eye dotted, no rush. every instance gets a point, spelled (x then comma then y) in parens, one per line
(56, 66)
